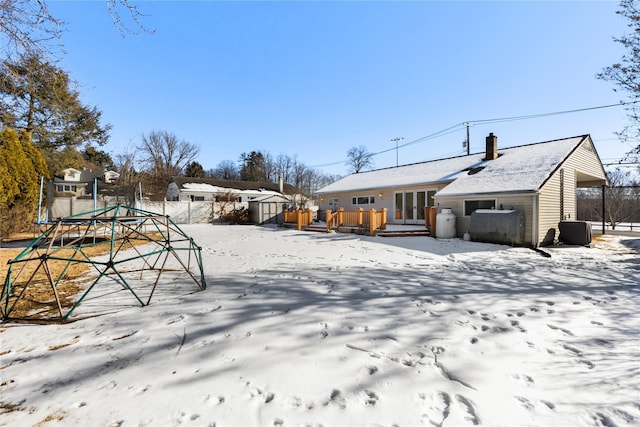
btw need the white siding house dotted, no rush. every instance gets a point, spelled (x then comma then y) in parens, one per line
(211, 190)
(538, 179)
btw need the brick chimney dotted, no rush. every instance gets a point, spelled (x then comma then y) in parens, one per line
(492, 147)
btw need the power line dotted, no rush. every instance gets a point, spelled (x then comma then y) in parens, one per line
(458, 127)
(555, 113)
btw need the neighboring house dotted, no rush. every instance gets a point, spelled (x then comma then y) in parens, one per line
(70, 183)
(110, 176)
(209, 189)
(538, 179)
(78, 183)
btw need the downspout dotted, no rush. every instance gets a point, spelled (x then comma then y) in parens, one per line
(603, 209)
(534, 221)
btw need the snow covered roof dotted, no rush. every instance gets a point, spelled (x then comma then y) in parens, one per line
(517, 169)
(212, 185)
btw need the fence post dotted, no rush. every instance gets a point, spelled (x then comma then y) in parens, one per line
(328, 219)
(383, 219)
(372, 222)
(359, 215)
(299, 219)
(340, 216)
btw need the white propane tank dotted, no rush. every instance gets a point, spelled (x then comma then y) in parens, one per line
(445, 224)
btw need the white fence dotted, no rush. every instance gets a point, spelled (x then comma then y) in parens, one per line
(623, 226)
(179, 212)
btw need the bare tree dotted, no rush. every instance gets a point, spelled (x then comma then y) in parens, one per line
(622, 201)
(164, 156)
(626, 74)
(358, 158)
(226, 169)
(27, 26)
(116, 9)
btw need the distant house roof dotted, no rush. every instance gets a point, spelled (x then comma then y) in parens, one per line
(83, 175)
(517, 169)
(212, 185)
(275, 198)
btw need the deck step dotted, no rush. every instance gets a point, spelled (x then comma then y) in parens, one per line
(404, 233)
(316, 228)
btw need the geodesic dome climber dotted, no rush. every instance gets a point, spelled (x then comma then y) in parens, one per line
(118, 247)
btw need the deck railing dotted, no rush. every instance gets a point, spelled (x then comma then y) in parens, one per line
(301, 218)
(370, 220)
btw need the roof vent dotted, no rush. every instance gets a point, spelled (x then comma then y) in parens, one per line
(473, 171)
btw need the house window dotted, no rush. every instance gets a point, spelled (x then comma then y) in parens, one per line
(197, 198)
(363, 200)
(472, 205)
(67, 188)
(227, 198)
(334, 203)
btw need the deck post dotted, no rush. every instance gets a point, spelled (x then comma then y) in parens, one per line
(328, 219)
(373, 220)
(383, 219)
(340, 216)
(309, 216)
(426, 217)
(299, 219)
(359, 216)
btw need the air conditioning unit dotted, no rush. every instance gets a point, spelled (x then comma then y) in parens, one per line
(575, 232)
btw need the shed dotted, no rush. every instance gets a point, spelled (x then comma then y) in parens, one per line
(268, 209)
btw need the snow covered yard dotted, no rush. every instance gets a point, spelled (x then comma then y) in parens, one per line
(301, 329)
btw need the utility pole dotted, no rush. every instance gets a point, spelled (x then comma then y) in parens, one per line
(396, 140)
(468, 142)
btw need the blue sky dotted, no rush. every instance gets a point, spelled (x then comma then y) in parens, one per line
(312, 79)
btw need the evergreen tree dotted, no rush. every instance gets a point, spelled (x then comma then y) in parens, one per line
(96, 157)
(253, 167)
(21, 166)
(194, 170)
(37, 96)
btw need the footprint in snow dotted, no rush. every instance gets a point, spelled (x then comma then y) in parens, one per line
(526, 403)
(176, 319)
(572, 349)
(336, 398)
(371, 399)
(214, 400)
(261, 395)
(371, 369)
(439, 409)
(589, 364)
(526, 379)
(558, 328)
(469, 407)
